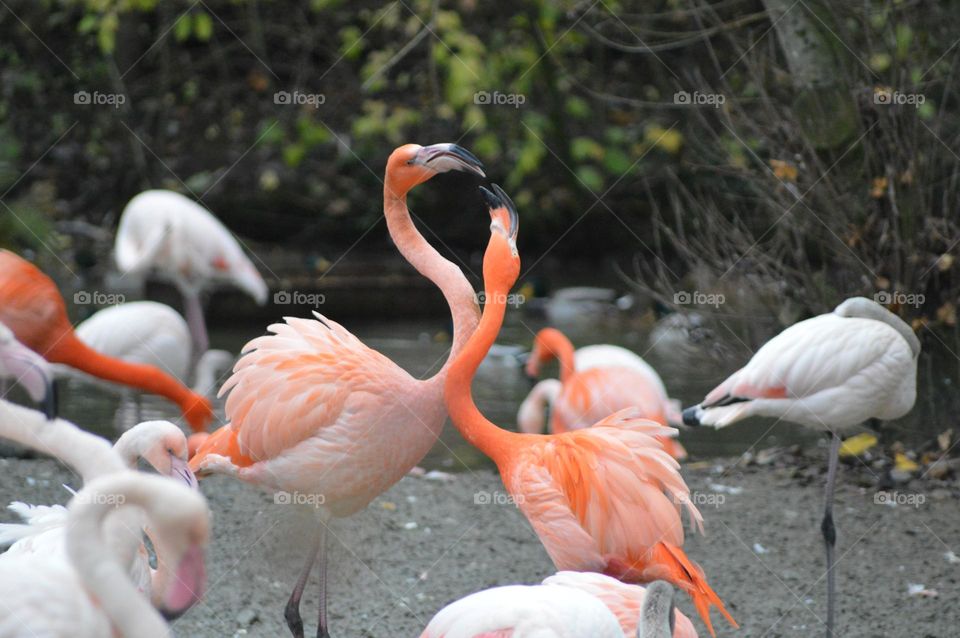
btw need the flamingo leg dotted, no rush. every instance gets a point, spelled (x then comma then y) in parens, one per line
(291, 612)
(193, 308)
(322, 623)
(829, 531)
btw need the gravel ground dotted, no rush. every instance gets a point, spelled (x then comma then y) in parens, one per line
(427, 542)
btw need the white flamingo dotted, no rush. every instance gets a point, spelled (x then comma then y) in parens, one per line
(161, 443)
(641, 611)
(25, 367)
(830, 373)
(525, 611)
(164, 232)
(154, 334)
(90, 595)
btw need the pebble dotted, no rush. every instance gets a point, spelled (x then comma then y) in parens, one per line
(247, 617)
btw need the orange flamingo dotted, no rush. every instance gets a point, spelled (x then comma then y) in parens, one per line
(32, 307)
(596, 381)
(604, 499)
(315, 412)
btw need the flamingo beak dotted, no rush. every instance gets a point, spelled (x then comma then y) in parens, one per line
(691, 416)
(449, 157)
(189, 583)
(179, 469)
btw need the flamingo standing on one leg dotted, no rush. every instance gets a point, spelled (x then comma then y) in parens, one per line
(830, 373)
(26, 367)
(32, 307)
(313, 410)
(182, 241)
(605, 498)
(596, 381)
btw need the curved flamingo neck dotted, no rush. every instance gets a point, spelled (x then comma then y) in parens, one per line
(557, 344)
(76, 354)
(101, 572)
(455, 288)
(479, 431)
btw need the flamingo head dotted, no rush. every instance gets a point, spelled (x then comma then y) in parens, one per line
(543, 352)
(185, 535)
(162, 445)
(501, 261)
(29, 369)
(412, 164)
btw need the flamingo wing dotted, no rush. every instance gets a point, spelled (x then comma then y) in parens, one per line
(305, 378)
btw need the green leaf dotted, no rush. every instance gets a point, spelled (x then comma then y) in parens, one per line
(591, 177)
(584, 148)
(107, 34)
(181, 30)
(203, 26)
(577, 107)
(904, 36)
(616, 162)
(294, 154)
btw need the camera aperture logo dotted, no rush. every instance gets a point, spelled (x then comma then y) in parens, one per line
(496, 498)
(886, 96)
(97, 298)
(299, 498)
(299, 98)
(297, 298)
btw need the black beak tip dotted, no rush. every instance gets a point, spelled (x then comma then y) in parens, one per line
(490, 199)
(50, 402)
(690, 416)
(466, 156)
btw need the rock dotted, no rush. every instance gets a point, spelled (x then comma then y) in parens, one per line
(247, 617)
(939, 470)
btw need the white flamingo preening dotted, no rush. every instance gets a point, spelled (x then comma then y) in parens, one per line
(830, 373)
(164, 232)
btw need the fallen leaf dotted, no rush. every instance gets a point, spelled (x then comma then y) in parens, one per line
(878, 187)
(784, 170)
(904, 463)
(387, 505)
(857, 445)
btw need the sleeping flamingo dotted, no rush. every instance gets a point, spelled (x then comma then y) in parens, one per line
(639, 610)
(829, 373)
(50, 591)
(596, 381)
(27, 368)
(525, 611)
(164, 232)
(603, 499)
(564, 606)
(315, 411)
(31, 306)
(159, 443)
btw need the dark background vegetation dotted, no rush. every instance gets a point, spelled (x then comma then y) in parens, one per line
(800, 186)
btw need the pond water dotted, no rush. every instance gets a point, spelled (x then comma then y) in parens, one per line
(420, 346)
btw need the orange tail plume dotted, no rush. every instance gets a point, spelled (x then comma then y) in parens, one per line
(688, 576)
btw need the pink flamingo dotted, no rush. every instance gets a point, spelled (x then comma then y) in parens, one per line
(595, 381)
(829, 373)
(603, 499)
(315, 411)
(26, 367)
